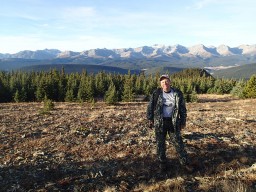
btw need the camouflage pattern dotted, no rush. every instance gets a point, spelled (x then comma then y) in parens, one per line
(171, 127)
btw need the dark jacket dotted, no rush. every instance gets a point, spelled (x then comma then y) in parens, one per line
(155, 111)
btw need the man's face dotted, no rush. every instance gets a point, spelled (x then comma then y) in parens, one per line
(165, 84)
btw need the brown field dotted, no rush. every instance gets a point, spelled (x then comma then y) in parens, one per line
(85, 147)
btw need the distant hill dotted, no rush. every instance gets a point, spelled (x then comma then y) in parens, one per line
(239, 72)
(78, 68)
(191, 72)
(15, 64)
(164, 70)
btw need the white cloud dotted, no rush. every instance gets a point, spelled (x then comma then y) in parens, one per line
(202, 3)
(78, 12)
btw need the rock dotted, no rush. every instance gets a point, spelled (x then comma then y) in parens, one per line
(38, 153)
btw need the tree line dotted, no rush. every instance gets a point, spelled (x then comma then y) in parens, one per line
(112, 88)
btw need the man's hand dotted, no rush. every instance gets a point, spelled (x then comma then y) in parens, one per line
(150, 124)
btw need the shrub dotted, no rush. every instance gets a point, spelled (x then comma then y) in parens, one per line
(48, 105)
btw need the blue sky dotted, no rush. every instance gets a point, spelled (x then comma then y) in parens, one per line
(80, 25)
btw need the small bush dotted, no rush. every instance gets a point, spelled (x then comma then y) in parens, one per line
(48, 106)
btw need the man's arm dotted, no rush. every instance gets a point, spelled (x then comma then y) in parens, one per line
(183, 111)
(150, 108)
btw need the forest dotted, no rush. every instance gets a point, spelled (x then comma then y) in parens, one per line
(59, 86)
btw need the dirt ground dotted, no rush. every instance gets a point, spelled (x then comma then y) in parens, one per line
(95, 147)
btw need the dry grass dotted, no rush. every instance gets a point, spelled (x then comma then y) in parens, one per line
(80, 147)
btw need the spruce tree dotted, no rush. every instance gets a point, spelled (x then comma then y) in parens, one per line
(250, 88)
(72, 86)
(238, 89)
(17, 96)
(129, 91)
(111, 96)
(81, 95)
(101, 84)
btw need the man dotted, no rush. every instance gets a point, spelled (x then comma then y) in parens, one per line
(167, 112)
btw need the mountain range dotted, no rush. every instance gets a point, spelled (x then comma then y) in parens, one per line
(150, 59)
(152, 52)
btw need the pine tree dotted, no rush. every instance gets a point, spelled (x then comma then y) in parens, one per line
(238, 89)
(52, 90)
(129, 91)
(250, 88)
(101, 84)
(139, 84)
(81, 95)
(72, 86)
(111, 96)
(150, 85)
(5, 92)
(17, 96)
(69, 97)
(62, 85)
(86, 89)
(90, 89)
(193, 96)
(41, 90)
(48, 105)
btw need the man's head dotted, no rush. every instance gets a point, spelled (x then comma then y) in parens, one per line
(165, 83)
(164, 77)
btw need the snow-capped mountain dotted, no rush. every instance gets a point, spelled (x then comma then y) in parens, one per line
(155, 51)
(39, 54)
(248, 49)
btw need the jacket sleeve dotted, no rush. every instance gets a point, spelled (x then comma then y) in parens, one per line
(183, 110)
(150, 108)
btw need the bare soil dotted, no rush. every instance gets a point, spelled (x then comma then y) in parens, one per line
(95, 147)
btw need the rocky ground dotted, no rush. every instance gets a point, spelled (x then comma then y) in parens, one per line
(95, 147)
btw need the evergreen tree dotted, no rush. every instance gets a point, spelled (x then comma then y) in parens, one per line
(139, 84)
(202, 86)
(48, 105)
(62, 86)
(41, 90)
(193, 96)
(81, 95)
(72, 86)
(250, 88)
(5, 93)
(17, 96)
(111, 96)
(223, 86)
(86, 89)
(150, 85)
(90, 89)
(129, 91)
(52, 91)
(20, 95)
(69, 97)
(238, 89)
(101, 84)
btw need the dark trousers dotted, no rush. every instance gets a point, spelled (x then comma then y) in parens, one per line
(175, 139)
